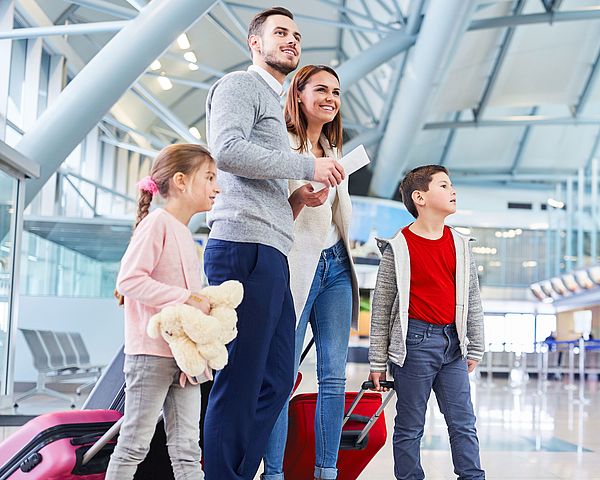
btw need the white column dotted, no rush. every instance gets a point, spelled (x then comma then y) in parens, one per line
(7, 13)
(103, 80)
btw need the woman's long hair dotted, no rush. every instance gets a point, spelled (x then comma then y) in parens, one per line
(296, 120)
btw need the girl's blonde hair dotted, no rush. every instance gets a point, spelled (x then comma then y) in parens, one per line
(170, 160)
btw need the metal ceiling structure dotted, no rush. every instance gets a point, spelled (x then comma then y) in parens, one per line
(498, 91)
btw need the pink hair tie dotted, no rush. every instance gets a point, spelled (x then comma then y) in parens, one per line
(146, 184)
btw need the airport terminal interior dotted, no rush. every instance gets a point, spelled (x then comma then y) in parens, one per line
(504, 93)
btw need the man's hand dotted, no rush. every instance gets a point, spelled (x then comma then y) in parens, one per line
(471, 365)
(377, 377)
(328, 171)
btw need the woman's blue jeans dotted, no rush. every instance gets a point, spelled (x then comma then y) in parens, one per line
(329, 311)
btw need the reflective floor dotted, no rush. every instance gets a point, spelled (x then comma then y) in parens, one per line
(532, 431)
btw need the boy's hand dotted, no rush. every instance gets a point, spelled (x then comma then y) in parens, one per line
(377, 377)
(471, 365)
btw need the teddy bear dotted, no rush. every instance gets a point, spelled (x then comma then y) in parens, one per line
(168, 323)
(196, 339)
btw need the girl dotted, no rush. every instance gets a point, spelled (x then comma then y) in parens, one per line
(161, 268)
(322, 276)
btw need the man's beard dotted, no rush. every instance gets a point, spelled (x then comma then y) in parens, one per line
(279, 66)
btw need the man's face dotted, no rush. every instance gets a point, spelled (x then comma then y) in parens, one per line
(279, 44)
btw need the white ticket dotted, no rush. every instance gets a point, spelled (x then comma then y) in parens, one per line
(351, 162)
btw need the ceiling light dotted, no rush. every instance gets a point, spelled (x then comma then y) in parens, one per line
(165, 83)
(193, 67)
(195, 132)
(183, 42)
(538, 226)
(190, 57)
(555, 203)
(529, 264)
(155, 65)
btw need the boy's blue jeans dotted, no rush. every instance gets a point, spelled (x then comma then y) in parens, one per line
(434, 361)
(329, 311)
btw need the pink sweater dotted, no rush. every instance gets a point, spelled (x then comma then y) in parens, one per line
(159, 268)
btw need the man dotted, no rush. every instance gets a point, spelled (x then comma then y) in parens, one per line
(251, 234)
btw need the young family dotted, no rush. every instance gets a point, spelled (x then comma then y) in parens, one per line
(287, 243)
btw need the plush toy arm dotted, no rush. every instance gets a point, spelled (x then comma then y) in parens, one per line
(187, 357)
(153, 328)
(229, 293)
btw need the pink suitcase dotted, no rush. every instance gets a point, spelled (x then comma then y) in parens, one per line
(52, 446)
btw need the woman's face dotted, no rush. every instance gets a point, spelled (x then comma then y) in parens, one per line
(320, 99)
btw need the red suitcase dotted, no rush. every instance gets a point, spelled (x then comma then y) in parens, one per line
(52, 446)
(363, 434)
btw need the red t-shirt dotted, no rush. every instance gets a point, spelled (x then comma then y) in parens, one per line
(432, 277)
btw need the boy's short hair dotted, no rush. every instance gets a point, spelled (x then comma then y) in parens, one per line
(418, 179)
(257, 22)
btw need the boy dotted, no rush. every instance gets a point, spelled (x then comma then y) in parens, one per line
(427, 321)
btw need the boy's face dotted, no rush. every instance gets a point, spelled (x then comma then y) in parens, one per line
(441, 196)
(279, 44)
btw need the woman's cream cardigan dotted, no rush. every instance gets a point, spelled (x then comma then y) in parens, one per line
(310, 234)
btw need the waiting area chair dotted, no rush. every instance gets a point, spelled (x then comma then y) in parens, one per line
(58, 357)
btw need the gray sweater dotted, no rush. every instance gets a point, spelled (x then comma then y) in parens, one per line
(247, 136)
(389, 315)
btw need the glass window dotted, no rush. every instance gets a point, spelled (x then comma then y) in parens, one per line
(16, 81)
(44, 80)
(513, 332)
(544, 326)
(8, 191)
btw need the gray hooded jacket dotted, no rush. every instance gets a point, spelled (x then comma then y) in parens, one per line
(389, 315)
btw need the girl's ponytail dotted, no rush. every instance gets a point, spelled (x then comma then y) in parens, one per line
(148, 189)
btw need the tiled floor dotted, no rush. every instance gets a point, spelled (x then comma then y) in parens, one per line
(526, 433)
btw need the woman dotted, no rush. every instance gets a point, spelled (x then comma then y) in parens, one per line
(322, 276)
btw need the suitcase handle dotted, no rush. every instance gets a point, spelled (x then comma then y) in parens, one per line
(368, 385)
(364, 387)
(102, 441)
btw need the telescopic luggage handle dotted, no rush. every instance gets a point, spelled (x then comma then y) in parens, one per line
(364, 387)
(109, 435)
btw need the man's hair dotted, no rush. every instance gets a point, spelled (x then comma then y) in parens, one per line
(257, 23)
(418, 179)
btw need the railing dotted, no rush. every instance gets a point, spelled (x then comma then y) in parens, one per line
(90, 194)
(558, 360)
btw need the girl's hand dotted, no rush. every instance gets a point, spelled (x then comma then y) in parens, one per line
(200, 302)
